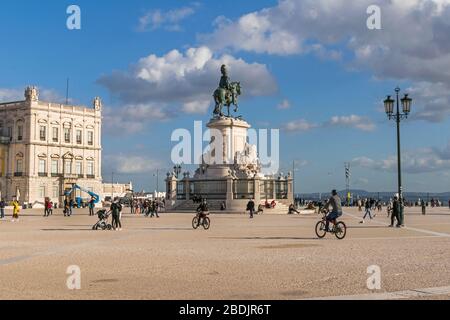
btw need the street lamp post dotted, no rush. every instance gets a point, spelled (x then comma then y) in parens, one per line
(177, 170)
(397, 117)
(294, 178)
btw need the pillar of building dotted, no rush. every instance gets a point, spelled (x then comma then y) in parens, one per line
(230, 196)
(257, 190)
(290, 190)
(274, 188)
(187, 187)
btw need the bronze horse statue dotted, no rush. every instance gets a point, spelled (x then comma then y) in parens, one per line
(227, 98)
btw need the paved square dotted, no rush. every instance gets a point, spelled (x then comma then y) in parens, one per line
(270, 257)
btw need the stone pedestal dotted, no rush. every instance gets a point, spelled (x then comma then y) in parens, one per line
(230, 172)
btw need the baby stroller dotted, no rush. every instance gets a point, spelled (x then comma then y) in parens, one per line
(102, 223)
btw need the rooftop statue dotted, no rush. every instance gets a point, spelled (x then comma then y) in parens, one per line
(31, 93)
(227, 94)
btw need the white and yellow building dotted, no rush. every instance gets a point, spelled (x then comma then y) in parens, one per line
(46, 148)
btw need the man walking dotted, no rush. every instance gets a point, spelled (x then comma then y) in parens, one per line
(46, 207)
(2, 209)
(251, 208)
(71, 205)
(424, 207)
(368, 207)
(395, 213)
(154, 208)
(91, 206)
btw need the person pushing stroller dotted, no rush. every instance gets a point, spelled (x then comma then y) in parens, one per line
(116, 209)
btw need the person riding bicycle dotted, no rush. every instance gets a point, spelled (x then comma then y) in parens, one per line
(336, 211)
(201, 211)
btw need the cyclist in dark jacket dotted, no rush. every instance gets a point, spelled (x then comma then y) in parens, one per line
(201, 211)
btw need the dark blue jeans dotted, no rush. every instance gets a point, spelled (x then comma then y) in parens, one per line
(2, 213)
(332, 216)
(368, 213)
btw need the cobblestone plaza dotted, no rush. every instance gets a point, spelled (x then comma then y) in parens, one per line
(271, 257)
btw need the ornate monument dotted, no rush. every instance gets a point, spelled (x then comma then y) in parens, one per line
(97, 103)
(31, 94)
(230, 172)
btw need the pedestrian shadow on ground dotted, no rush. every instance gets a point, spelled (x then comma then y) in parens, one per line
(265, 238)
(50, 230)
(165, 229)
(367, 227)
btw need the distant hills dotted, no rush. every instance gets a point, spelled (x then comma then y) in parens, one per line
(444, 196)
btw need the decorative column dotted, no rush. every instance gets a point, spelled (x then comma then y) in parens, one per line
(290, 190)
(171, 189)
(274, 188)
(257, 190)
(187, 187)
(230, 196)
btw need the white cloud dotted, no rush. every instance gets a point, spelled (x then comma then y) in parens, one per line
(413, 161)
(300, 125)
(169, 20)
(414, 43)
(284, 105)
(186, 80)
(8, 95)
(132, 119)
(196, 107)
(131, 164)
(361, 182)
(352, 121)
(49, 95)
(431, 101)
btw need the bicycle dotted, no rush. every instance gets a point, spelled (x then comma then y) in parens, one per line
(202, 219)
(339, 229)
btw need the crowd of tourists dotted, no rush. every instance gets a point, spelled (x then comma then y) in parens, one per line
(149, 208)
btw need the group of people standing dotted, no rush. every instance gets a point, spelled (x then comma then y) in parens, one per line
(148, 208)
(116, 213)
(48, 207)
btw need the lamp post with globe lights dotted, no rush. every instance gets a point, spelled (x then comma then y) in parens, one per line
(398, 116)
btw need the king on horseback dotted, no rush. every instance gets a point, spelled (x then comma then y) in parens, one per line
(227, 94)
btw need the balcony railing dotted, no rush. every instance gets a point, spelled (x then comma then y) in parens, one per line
(43, 174)
(70, 176)
(5, 140)
(18, 174)
(90, 176)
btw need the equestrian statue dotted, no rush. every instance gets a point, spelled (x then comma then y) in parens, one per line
(227, 94)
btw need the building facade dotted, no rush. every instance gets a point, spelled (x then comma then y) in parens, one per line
(113, 190)
(46, 148)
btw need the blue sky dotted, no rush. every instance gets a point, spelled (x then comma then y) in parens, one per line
(318, 58)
